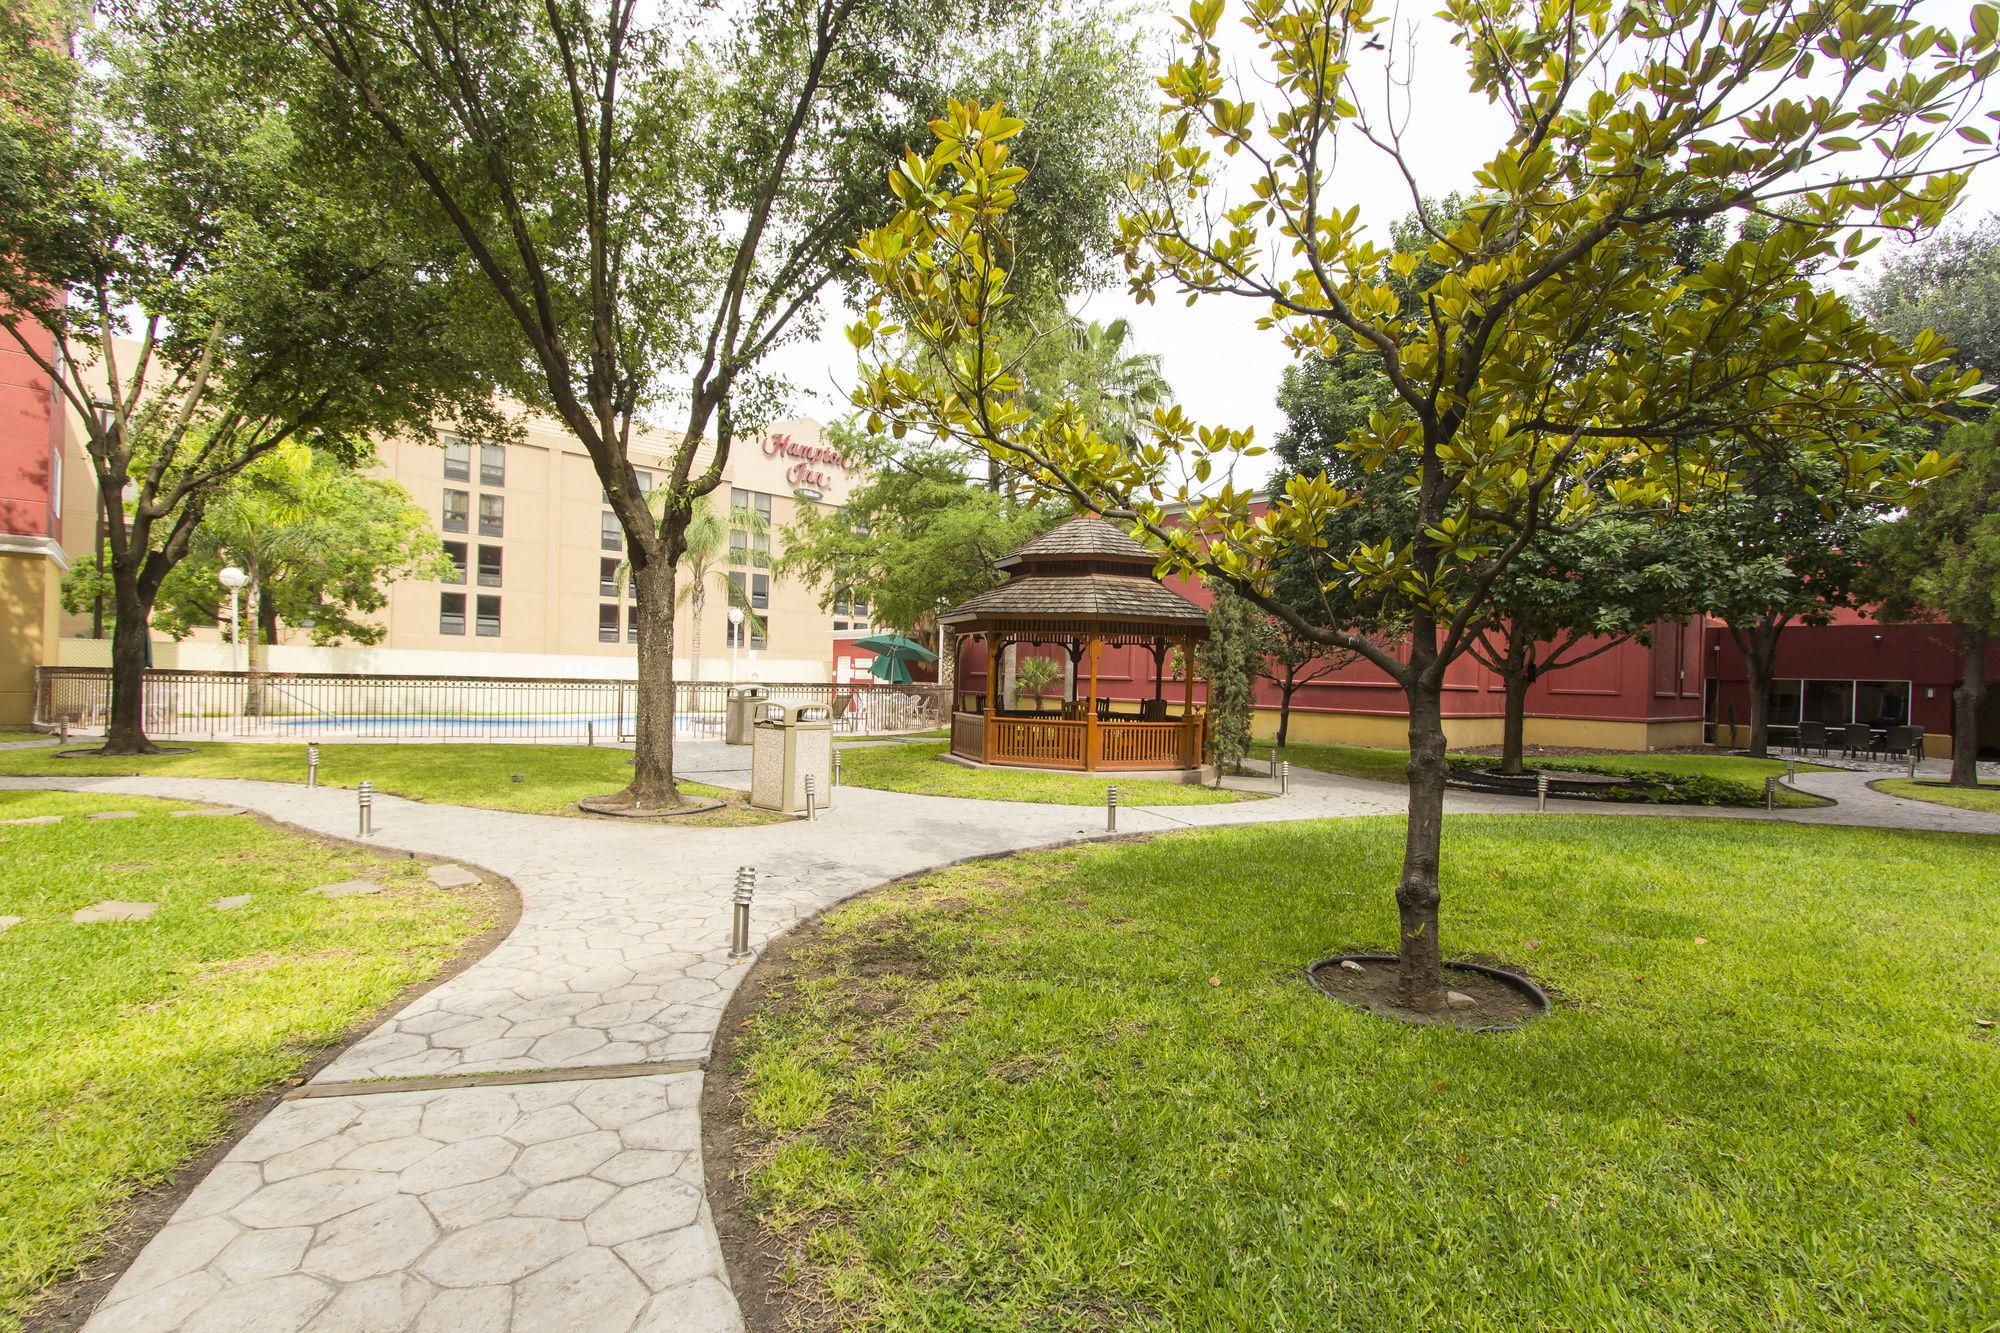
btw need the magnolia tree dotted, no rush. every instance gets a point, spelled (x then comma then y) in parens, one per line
(1624, 125)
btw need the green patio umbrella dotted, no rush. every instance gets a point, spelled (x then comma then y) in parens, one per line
(893, 655)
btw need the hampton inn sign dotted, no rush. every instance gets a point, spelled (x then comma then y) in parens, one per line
(806, 475)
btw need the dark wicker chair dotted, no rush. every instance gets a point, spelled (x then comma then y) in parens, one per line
(1856, 740)
(1811, 736)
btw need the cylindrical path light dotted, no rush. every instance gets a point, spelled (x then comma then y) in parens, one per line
(365, 799)
(739, 929)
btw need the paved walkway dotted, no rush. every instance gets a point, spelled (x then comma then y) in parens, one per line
(561, 1187)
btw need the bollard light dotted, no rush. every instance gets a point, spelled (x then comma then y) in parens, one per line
(1914, 750)
(1110, 809)
(812, 811)
(739, 930)
(1791, 769)
(312, 766)
(1284, 775)
(590, 733)
(365, 799)
(1771, 792)
(1541, 793)
(836, 768)
(1274, 759)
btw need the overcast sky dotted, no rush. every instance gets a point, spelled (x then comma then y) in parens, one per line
(1222, 367)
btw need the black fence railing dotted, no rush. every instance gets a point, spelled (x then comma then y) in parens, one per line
(193, 705)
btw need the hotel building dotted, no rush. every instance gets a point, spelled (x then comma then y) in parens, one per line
(537, 589)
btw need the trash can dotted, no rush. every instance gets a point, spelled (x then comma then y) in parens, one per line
(744, 705)
(783, 750)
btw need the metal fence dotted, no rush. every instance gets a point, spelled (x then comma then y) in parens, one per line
(194, 705)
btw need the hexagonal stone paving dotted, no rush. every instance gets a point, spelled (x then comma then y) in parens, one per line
(544, 1206)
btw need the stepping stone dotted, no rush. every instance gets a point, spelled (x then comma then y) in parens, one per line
(9, 921)
(230, 904)
(111, 909)
(451, 877)
(347, 888)
(37, 819)
(210, 812)
(114, 814)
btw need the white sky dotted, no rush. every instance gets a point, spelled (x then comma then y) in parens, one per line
(1225, 370)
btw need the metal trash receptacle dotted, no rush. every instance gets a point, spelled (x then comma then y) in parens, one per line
(784, 751)
(742, 707)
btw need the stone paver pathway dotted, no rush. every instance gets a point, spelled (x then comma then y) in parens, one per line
(569, 1196)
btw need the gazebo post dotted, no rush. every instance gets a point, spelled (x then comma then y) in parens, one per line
(1090, 711)
(996, 644)
(1187, 705)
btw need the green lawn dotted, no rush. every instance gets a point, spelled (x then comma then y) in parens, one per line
(1986, 796)
(918, 767)
(1694, 779)
(1008, 1096)
(553, 777)
(124, 1045)
(6, 736)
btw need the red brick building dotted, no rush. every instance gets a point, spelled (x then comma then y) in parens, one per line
(31, 555)
(1674, 691)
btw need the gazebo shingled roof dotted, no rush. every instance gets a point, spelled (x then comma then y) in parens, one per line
(1085, 570)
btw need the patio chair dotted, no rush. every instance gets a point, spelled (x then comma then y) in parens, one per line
(1857, 737)
(1899, 740)
(1811, 736)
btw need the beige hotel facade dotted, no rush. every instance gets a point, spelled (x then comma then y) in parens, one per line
(538, 551)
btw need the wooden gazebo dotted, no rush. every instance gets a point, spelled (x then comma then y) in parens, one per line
(1082, 586)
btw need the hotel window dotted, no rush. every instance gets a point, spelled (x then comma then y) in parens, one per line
(607, 622)
(848, 611)
(492, 465)
(613, 538)
(1829, 701)
(760, 599)
(632, 622)
(607, 578)
(746, 547)
(455, 552)
(492, 515)
(451, 613)
(455, 511)
(488, 623)
(489, 566)
(457, 459)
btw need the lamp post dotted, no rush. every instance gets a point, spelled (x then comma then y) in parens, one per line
(735, 633)
(233, 579)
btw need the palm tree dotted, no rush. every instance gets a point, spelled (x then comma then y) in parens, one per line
(1117, 386)
(279, 510)
(1036, 675)
(706, 562)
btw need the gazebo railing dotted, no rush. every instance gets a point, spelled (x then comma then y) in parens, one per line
(1053, 743)
(1078, 744)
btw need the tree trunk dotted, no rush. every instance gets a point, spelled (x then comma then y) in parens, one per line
(1514, 725)
(653, 785)
(125, 731)
(1420, 975)
(694, 635)
(1759, 646)
(1285, 712)
(1965, 704)
(253, 675)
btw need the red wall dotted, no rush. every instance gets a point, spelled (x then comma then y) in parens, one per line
(1854, 647)
(30, 445)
